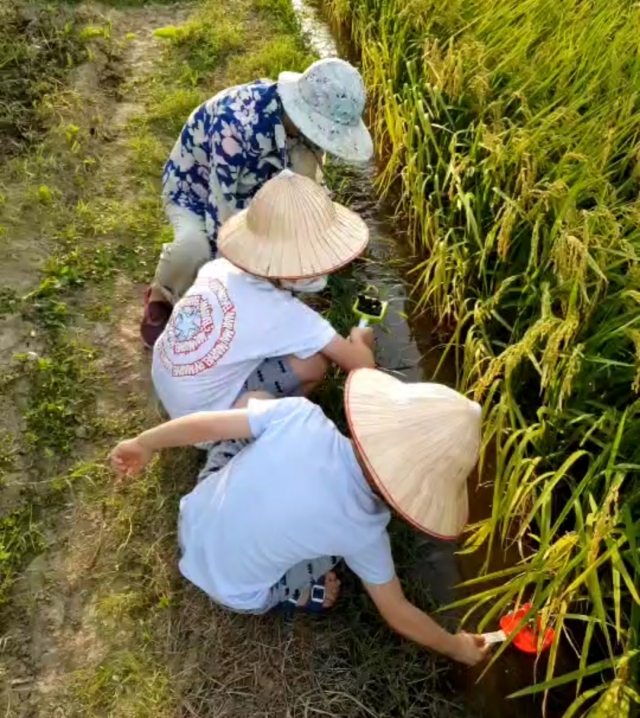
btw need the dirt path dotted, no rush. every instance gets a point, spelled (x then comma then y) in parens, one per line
(52, 625)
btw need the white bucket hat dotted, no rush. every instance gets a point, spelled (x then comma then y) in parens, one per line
(419, 443)
(292, 230)
(326, 103)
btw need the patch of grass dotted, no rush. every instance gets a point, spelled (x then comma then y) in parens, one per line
(204, 46)
(276, 56)
(39, 46)
(8, 452)
(9, 301)
(62, 389)
(126, 684)
(216, 38)
(60, 396)
(126, 4)
(20, 539)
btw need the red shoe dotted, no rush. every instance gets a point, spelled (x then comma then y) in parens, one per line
(156, 315)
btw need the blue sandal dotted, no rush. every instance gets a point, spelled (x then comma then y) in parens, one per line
(313, 605)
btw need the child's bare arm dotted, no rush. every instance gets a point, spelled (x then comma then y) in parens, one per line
(410, 622)
(353, 353)
(132, 455)
(197, 429)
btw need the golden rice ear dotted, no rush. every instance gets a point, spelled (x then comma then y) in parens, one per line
(419, 442)
(292, 230)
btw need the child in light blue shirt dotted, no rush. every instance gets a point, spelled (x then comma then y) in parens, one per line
(266, 530)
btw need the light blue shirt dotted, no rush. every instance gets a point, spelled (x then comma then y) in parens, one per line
(294, 494)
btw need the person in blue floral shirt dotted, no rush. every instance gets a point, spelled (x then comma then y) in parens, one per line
(232, 145)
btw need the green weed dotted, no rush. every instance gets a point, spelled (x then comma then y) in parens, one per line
(127, 683)
(8, 452)
(20, 539)
(62, 390)
(9, 301)
(37, 50)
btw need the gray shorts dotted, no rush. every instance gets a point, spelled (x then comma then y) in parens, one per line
(276, 377)
(301, 576)
(219, 454)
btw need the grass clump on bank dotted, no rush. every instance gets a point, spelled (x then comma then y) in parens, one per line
(511, 132)
(39, 46)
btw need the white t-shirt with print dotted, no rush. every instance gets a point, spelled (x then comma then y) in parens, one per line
(296, 493)
(226, 324)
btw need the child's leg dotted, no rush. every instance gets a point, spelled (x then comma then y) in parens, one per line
(181, 259)
(287, 376)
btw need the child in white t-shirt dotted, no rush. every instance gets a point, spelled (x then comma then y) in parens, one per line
(240, 327)
(315, 496)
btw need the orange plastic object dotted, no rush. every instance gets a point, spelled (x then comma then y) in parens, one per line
(526, 640)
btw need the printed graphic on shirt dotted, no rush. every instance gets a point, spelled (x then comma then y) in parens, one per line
(200, 331)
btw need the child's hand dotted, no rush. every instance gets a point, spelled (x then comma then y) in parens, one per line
(470, 649)
(364, 335)
(130, 457)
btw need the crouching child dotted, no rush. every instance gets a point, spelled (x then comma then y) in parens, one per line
(265, 532)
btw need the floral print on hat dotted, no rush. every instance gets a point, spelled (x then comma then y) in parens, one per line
(326, 104)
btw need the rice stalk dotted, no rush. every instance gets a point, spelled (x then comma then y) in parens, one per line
(508, 132)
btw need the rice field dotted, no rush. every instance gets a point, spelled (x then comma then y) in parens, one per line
(508, 134)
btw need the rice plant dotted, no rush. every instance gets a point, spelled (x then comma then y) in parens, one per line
(509, 131)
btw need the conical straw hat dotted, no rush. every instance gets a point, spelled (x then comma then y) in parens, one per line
(419, 443)
(292, 230)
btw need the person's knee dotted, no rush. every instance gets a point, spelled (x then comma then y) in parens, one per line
(311, 370)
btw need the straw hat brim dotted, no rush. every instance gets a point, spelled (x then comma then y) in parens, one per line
(376, 425)
(280, 258)
(351, 143)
